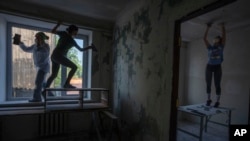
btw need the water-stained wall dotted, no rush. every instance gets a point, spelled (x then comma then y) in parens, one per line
(102, 59)
(142, 54)
(102, 64)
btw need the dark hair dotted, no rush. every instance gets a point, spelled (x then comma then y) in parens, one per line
(72, 28)
(219, 37)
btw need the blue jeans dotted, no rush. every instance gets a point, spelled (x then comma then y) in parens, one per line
(39, 82)
(216, 71)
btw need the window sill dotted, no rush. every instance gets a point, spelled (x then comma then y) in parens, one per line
(25, 108)
(20, 103)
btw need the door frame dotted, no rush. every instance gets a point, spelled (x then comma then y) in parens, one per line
(176, 59)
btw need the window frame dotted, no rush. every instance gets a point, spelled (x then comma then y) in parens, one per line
(87, 62)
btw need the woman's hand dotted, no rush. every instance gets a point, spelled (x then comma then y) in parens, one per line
(209, 24)
(222, 24)
(93, 47)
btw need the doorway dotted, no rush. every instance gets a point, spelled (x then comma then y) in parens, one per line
(197, 19)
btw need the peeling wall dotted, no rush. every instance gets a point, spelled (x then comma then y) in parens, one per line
(140, 74)
(143, 46)
(102, 62)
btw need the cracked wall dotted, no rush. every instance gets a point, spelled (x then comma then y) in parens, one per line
(142, 54)
(102, 62)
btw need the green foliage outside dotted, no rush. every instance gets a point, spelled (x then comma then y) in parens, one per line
(72, 55)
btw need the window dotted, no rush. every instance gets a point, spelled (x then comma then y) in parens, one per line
(21, 71)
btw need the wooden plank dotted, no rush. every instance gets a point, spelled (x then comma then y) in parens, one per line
(20, 104)
(53, 108)
(110, 115)
(62, 102)
(76, 89)
(55, 103)
(21, 112)
(77, 107)
(50, 98)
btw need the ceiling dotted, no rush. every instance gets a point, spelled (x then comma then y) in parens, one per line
(99, 9)
(235, 16)
(93, 13)
(103, 13)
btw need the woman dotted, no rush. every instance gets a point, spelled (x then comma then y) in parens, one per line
(215, 59)
(59, 56)
(40, 52)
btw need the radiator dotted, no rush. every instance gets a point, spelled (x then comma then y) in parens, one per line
(52, 124)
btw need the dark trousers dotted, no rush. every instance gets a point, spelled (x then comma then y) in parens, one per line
(216, 72)
(57, 60)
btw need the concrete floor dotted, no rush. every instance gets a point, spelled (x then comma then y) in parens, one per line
(214, 132)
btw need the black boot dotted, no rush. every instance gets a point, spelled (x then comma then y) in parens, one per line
(208, 102)
(216, 104)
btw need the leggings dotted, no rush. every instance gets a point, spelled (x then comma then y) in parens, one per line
(57, 60)
(40, 78)
(216, 72)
